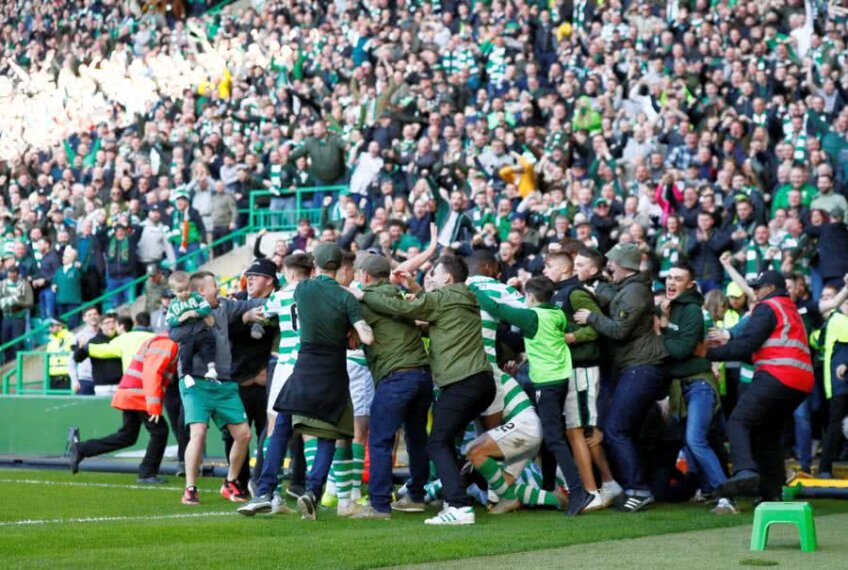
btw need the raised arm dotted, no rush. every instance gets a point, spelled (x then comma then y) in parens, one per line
(841, 297)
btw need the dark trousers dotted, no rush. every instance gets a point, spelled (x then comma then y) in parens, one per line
(637, 389)
(127, 436)
(203, 344)
(755, 429)
(274, 455)
(400, 399)
(458, 405)
(255, 401)
(12, 328)
(176, 417)
(833, 436)
(321, 466)
(550, 402)
(73, 320)
(86, 388)
(217, 233)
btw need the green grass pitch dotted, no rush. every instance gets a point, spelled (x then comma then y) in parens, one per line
(55, 520)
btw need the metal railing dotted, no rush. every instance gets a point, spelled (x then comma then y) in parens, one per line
(130, 288)
(42, 382)
(302, 203)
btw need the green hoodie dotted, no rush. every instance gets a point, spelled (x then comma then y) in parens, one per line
(684, 332)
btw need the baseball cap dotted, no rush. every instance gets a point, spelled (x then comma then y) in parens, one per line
(328, 256)
(601, 201)
(376, 266)
(263, 267)
(734, 290)
(766, 278)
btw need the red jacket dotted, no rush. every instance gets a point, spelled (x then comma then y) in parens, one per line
(143, 384)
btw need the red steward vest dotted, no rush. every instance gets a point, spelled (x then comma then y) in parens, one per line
(786, 353)
(130, 393)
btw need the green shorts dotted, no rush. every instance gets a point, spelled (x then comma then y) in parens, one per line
(205, 400)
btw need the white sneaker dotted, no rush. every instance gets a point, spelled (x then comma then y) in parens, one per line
(725, 507)
(453, 516)
(348, 509)
(279, 506)
(609, 491)
(211, 374)
(597, 503)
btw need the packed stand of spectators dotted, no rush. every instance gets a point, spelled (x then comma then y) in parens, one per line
(683, 141)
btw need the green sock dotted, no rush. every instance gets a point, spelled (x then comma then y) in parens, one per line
(534, 496)
(358, 464)
(343, 471)
(310, 448)
(495, 476)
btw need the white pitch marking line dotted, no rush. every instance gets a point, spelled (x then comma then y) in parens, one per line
(36, 522)
(100, 485)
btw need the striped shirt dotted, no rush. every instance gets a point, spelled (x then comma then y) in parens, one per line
(515, 398)
(499, 293)
(281, 305)
(357, 356)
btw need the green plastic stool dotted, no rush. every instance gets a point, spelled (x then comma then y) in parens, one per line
(797, 513)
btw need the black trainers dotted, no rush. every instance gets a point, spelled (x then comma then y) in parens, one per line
(73, 450)
(154, 480)
(577, 502)
(306, 506)
(634, 503)
(742, 483)
(296, 491)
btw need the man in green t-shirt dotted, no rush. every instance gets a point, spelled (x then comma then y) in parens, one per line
(317, 393)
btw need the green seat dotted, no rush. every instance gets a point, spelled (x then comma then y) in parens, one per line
(797, 513)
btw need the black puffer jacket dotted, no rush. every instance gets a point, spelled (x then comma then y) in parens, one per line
(630, 324)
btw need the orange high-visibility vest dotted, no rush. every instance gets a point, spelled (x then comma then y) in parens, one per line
(786, 353)
(152, 368)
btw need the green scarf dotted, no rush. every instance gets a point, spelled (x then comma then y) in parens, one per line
(120, 250)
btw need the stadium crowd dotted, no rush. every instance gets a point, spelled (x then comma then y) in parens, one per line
(699, 147)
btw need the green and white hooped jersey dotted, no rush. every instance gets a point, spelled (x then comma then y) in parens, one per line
(501, 294)
(515, 398)
(357, 356)
(281, 305)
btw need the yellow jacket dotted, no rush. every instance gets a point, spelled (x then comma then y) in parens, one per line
(61, 345)
(123, 346)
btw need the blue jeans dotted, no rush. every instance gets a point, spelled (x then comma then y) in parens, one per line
(275, 454)
(401, 398)
(637, 389)
(700, 403)
(193, 263)
(47, 303)
(73, 320)
(321, 467)
(803, 435)
(816, 282)
(121, 297)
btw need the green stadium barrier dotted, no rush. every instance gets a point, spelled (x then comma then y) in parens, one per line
(261, 216)
(38, 425)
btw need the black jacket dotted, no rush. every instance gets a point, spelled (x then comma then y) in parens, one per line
(250, 355)
(630, 324)
(833, 243)
(704, 255)
(759, 327)
(105, 371)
